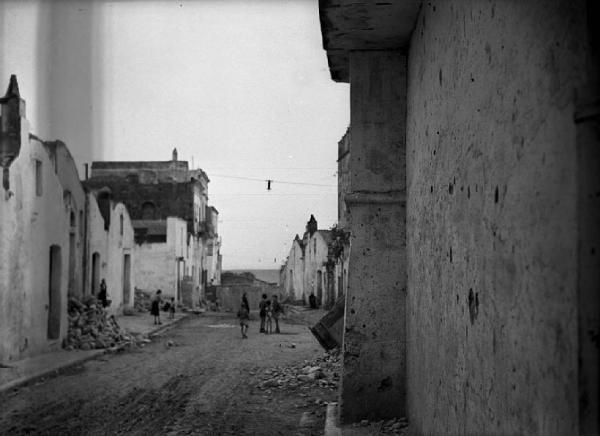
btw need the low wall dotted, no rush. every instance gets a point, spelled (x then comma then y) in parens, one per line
(230, 297)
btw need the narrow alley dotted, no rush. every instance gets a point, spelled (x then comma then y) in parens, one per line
(200, 377)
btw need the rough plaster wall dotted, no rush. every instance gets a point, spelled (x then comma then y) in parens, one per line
(117, 247)
(30, 224)
(373, 375)
(154, 268)
(314, 260)
(97, 241)
(69, 180)
(295, 284)
(492, 313)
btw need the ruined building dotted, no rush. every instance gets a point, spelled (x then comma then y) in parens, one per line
(176, 239)
(472, 301)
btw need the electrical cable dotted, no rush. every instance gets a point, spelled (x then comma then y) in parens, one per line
(272, 181)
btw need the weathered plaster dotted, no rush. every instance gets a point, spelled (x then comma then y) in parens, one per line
(30, 225)
(492, 226)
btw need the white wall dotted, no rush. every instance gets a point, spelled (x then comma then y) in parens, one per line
(30, 224)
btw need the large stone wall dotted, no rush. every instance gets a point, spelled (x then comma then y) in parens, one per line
(492, 237)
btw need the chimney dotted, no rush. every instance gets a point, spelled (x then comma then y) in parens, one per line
(12, 109)
(311, 225)
(174, 155)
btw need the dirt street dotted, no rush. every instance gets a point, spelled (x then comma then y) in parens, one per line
(199, 378)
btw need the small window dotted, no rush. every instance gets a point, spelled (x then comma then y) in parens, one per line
(121, 224)
(38, 178)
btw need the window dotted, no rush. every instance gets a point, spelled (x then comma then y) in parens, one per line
(121, 224)
(38, 178)
(148, 211)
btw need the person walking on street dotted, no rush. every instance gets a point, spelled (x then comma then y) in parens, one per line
(243, 315)
(262, 306)
(172, 308)
(245, 302)
(155, 307)
(277, 312)
(103, 294)
(312, 300)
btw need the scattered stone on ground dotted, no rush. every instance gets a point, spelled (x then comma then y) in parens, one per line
(142, 301)
(90, 327)
(395, 426)
(323, 371)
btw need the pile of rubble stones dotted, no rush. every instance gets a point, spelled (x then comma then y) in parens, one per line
(90, 327)
(393, 426)
(323, 371)
(142, 301)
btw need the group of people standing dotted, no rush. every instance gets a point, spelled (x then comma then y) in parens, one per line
(156, 304)
(269, 311)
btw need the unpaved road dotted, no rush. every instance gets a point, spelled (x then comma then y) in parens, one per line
(205, 385)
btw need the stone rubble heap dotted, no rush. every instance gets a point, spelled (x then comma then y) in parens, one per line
(142, 301)
(90, 327)
(396, 426)
(323, 371)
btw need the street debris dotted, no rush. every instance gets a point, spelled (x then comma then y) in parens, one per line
(142, 301)
(396, 426)
(323, 371)
(90, 327)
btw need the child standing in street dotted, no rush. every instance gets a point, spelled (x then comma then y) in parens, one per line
(277, 312)
(155, 307)
(262, 306)
(244, 316)
(172, 308)
(268, 318)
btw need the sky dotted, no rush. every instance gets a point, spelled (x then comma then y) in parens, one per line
(241, 88)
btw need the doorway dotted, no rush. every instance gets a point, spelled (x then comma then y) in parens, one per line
(95, 273)
(126, 280)
(54, 300)
(319, 288)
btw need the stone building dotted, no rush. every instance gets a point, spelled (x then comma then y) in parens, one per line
(110, 250)
(166, 259)
(174, 225)
(35, 217)
(316, 249)
(472, 301)
(293, 272)
(316, 265)
(213, 249)
(343, 177)
(49, 226)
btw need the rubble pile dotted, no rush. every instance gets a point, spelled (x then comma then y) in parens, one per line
(323, 371)
(393, 426)
(90, 327)
(142, 300)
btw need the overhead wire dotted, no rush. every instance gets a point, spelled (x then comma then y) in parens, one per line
(254, 179)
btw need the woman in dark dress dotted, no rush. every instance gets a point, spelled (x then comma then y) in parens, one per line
(155, 307)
